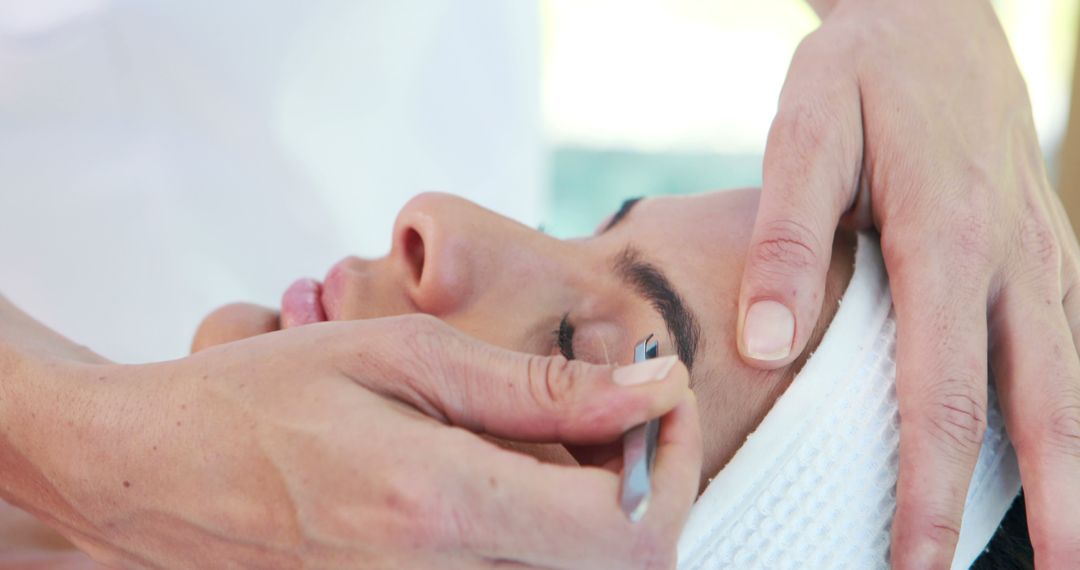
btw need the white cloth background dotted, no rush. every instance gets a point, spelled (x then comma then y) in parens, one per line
(160, 158)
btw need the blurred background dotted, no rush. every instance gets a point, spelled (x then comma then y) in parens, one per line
(161, 158)
(677, 95)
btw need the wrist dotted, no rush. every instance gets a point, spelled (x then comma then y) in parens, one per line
(46, 411)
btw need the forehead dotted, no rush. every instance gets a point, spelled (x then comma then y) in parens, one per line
(701, 219)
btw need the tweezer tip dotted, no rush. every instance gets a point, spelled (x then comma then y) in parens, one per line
(638, 512)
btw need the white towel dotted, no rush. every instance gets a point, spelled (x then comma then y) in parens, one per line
(815, 485)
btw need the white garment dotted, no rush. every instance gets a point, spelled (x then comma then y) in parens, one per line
(159, 158)
(815, 485)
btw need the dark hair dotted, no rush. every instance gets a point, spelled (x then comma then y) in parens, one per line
(1010, 548)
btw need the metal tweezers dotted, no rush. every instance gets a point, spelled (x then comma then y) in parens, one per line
(639, 451)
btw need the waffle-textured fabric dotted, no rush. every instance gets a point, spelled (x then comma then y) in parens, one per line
(815, 485)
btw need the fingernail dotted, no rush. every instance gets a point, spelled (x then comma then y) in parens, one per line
(768, 331)
(652, 370)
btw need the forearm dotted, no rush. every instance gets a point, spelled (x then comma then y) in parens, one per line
(44, 411)
(23, 337)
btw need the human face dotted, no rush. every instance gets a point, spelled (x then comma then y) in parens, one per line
(667, 266)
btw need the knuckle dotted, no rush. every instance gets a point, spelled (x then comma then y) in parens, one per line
(957, 413)
(943, 531)
(1061, 431)
(787, 247)
(411, 513)
(418, 343)
(564, 391)
(552, 381)
(814, 137)
(1038, 246)
(421, 339)
(427, 340)
(972, 241)
(422, 364)
(1039, 243)
(799, 126)
(959, 240)
(421, 324)
(1059, 546)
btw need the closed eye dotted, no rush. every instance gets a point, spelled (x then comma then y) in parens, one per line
(565, 337)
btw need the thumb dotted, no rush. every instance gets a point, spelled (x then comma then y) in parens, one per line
(468, 383)
(813, 157)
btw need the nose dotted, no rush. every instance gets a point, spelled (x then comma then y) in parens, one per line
(443, 247)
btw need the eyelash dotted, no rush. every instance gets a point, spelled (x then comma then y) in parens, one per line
(565, 337)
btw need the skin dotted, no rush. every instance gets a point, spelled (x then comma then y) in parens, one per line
(912, 117)
(261, 452)
(474, 264)
(509, 285)
(978, 249)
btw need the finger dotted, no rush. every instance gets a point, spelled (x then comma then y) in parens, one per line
(511, 565)
(942, 392)
(1070, 267)
(567, 517)
(234, 322)
(46, 559)
(1038, 372)
(301, 304)
(474, 385)
(1065, 235)
(812, 161)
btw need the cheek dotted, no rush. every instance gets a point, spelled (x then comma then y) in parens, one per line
(509, 329)
(732, 406)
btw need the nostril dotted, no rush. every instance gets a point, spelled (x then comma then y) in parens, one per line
(413, 245)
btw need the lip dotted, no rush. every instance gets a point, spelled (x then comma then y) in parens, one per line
(301, 304)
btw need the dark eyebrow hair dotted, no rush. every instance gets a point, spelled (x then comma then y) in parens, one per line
(621, 213)
(651, 283)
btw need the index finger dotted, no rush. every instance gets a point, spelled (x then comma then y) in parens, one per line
(812, 161)
(569, 517)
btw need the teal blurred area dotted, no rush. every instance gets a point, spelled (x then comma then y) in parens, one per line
(677, 96)
(586, 184)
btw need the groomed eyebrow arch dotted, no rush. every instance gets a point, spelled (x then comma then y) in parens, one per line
(652, 284)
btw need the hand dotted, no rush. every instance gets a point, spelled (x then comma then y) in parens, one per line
(341, 445)
(912, 117)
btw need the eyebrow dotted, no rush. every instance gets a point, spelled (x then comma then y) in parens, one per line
(651, 283)
(621, 213)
